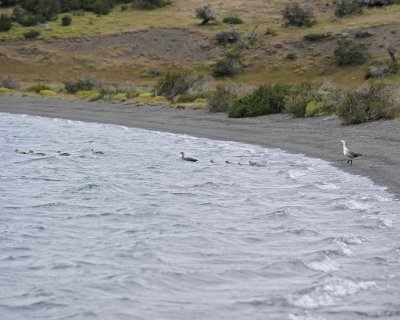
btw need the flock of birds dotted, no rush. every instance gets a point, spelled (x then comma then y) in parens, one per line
(346, 151)
(60, 153)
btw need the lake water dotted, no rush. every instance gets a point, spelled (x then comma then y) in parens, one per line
(137, 233)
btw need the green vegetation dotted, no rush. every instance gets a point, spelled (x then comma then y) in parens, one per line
(298, 15)
(172, 84)
(31, 34)
(205, 14)
(298, 98)
(73, 86)
(291, 56)
(38, 87)
(226, 67)
(347, 7)
(267, 99)
(221, 99)
(232, 20)
(348, 53)
(5, 23)
(372, 101)
(227, 36)
(149, 4)
(66, 20)
(317, 36)
(270, 32)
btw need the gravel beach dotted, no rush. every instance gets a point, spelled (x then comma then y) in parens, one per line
(379, 142)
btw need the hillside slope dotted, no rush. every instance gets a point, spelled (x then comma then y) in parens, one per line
(138, 46)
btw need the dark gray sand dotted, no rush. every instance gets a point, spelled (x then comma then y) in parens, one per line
(379, 142)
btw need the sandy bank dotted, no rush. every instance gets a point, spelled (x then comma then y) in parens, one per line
(314, 137)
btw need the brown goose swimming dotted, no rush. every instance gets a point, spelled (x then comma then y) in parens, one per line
(33, 153)
(188, 158)
(97, 152)
(64, 154)
(350, 154)
(21, 152)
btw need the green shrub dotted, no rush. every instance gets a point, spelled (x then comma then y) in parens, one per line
(349, 53)
(47, 92)
(313, 108)
(221, 99)
(73, 86)
(149, 4)
(291, 56)
(189, 97)
(298, 15)
(5, 23)
(226, 67)
(317, 36)
(270, 32)
(227, 36)
(205, 14)
(298, 98)
(66, 20)
(102, 7)
(267, 99)
(31, 34)
(232, 20)
(347, 7)
(172, 84)
(4, 90)
(370, 102)
(38, 87)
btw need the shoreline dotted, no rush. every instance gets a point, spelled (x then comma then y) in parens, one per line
(379, 141)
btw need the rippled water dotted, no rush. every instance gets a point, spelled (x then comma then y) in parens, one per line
(137, 233)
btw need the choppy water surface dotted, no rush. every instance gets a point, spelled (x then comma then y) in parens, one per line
(137, 233)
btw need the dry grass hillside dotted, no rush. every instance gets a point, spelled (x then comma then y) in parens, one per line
(138, 46)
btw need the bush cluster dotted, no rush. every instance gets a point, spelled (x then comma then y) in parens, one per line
(172, 84)
(298, 98)
(227, 36)
(221, 99)
(232, 20)
(372, 101)
(298, 15)
(66, 20)
(266, 99)
(349, 53)
(347, 7)
(317, 36)
(38, 87)
(5, 23)
(226, 67)
(73, 86)
(31, 34)
(205, 14)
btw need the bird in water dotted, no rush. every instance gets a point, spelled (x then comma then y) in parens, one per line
(348, 153)
(188, 158)
(33, 153)
(97, 152)
(21, 152)
(64, 154)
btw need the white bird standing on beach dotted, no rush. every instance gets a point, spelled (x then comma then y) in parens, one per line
(188, 158)
(348, 153)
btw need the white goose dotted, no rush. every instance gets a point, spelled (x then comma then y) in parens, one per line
(348, 153)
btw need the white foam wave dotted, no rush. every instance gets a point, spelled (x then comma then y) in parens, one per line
(325, 265)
